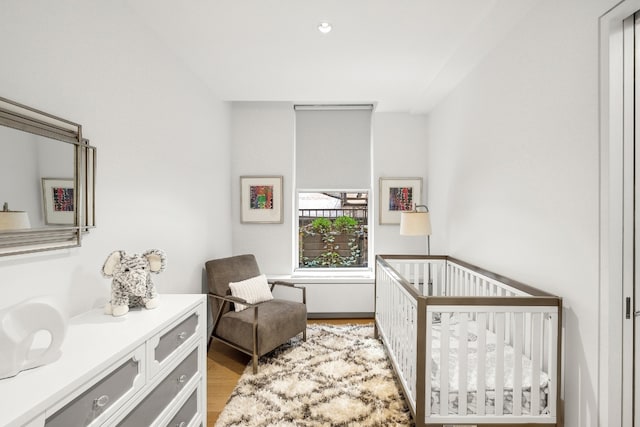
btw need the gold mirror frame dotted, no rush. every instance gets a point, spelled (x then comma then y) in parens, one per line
(30, 120)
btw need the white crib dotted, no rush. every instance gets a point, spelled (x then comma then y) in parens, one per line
(500, 340)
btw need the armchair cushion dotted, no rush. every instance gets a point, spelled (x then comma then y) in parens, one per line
(278, 320)
(253, 290)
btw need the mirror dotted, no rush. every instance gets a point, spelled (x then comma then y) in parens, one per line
(47, 181)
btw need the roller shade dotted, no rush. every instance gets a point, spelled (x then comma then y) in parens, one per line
(333, 147)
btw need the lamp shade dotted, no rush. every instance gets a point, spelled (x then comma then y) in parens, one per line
(14, 220)
(414, 223)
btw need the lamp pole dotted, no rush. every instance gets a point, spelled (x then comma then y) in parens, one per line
(418, 223)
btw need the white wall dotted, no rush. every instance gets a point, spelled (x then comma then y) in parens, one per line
(399, 151)
(263, 144)
(262, 135)
(513, 174)
(162, 138)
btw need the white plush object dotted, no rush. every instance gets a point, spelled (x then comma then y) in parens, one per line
(131, 284)
(253, 290)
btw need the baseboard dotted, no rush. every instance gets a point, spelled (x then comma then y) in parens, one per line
(340, 315)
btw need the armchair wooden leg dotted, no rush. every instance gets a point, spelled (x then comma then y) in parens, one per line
(255, 340)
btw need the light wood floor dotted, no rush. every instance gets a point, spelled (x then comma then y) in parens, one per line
(225, 366)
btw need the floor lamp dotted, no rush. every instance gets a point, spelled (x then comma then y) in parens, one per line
(418, 223)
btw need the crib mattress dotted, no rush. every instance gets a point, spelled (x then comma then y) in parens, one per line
(489, 371)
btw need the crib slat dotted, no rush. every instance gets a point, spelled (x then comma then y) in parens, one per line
(446, 279)
(508, 337)
(517, 365)
(444, 364)
(463, 283)
(462, 363)
(428, 366)
(456, 274)
(407, 271)
(499, 405)
(492, 322)
(482, 363)
(553, 371)
(536, 319)
(527, 335)
(452, 282)
(434, 275)
(414, 349)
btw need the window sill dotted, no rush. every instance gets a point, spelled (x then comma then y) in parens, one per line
(301, 278)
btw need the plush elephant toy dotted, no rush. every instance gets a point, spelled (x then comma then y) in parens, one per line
(131, 285)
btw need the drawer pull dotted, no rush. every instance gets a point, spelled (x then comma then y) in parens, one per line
(182, 335)
(101, 401)
(182, 378)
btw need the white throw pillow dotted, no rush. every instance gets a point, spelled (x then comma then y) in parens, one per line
(253, 290)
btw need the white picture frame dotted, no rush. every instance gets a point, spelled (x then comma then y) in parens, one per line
(261, 200)
(398, 195)
(59, 201)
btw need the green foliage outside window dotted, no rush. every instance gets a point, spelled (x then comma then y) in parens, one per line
(343, 230)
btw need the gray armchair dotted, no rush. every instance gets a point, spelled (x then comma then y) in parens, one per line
(260, 328)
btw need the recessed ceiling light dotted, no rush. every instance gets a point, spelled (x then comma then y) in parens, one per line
(324, 27)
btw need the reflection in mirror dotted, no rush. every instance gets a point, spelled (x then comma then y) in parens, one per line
(13, 220)
(27, 165)
(47, 181)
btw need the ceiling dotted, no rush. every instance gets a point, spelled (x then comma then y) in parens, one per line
(402, 55)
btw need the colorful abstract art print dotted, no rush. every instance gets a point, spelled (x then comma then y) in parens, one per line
(400, 198)
(58, 199)
(62, 199)
(261, 197)
(396, 196)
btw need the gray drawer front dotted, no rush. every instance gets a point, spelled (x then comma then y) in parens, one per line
(176, 337)
(186, 413)
(92, 403)
(156, 401)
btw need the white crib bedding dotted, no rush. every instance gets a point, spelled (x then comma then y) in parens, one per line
(490, 369)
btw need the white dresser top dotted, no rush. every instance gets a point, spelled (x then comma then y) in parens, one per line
(94, 340)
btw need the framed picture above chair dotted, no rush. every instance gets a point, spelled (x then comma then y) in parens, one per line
(261, 199)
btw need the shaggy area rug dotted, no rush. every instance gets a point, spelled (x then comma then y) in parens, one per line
(339, 377)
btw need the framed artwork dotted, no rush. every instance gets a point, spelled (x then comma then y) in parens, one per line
(261, 199)
(397, 195)
(58, 199)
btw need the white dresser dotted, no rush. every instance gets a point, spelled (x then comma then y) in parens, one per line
(147, 368)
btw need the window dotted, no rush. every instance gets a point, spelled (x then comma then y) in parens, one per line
(333, 185)
(333, 229)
